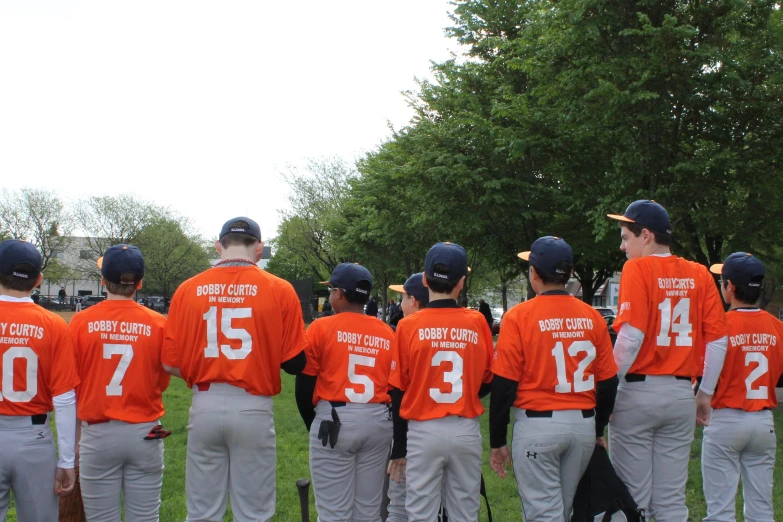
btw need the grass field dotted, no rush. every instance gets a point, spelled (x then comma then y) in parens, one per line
(292, 464)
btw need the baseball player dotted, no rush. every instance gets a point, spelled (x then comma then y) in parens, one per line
(668, 309)
(117, 344)
(415, 296)
(230, 330)
(441, 357)
(740, 437)
(347, 379)
(555, 366)
(39, 374)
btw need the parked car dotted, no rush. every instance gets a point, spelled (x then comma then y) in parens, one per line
(47, 300)
(605, 310)
(90, 300)
(609, 322)
(155, 302)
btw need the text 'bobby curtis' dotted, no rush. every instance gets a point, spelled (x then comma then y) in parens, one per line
(367, 341)
(21, 330)
(122, 327)
(760, 340)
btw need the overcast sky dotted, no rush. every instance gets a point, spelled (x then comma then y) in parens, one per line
(200, 105)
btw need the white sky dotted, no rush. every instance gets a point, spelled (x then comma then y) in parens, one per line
(200, 105)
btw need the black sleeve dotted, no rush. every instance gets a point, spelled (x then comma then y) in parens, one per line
(780, 382)
(296, 364)
(504, 391)
(485, 389)
(604, 403)
(304, 389)
(400, 444)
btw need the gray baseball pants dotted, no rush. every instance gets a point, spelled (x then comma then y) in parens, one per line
(550, 455)
(738, 444)
(650, 443)
(348, 479)
(444, 457)
(114, 461)
(27, 465)
(231, 452)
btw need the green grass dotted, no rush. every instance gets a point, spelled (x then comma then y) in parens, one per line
(292, 464)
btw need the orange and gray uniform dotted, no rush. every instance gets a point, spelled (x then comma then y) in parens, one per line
(230, 330)
(38, 368)
(117, 345)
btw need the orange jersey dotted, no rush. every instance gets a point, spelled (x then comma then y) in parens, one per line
(37, 358)
(676, 304)
(117, 345)
(557, 348)
(234, 325)
(754, 362)
(440, 357)
(351, 356)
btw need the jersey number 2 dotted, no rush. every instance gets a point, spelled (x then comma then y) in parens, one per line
(238, 334)
(762, 392)
(580, 383)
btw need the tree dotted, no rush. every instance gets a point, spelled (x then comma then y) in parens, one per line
(37, 216)
(171, 255)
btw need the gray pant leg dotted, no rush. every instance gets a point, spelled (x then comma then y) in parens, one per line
(397, 502)
(143, 478)
(757, 463)
(650, 435)
(253, 458)
(444, 455)
(28, 461)
(720, 463)
(550, 456)
(348, 479)
(206, 468)
(100, 473)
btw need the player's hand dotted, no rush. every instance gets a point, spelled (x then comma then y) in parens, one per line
(499, 459)
(64, 481)
(601, 441)
(396, 469)
(703, 408)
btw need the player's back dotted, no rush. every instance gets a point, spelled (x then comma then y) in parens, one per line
(557, 347)
(118, 344)
(753, 364)
(351, 355)
(36, 358)
(234, 325)
(675, 303)
(444, 356)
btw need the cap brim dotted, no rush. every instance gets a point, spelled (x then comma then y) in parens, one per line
(326, 283)
(717, 269)
(99, 262)
(398, 288)
(618, 217)
(525, 256)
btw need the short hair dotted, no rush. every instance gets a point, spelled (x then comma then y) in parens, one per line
(19, 284)
(358, 297)
(660, 238)
(238, 238)
(745, 294)
(127, 289)
(556, 278)
(440, 286)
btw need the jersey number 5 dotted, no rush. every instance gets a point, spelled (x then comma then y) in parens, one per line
(580, 383)
(238, 334)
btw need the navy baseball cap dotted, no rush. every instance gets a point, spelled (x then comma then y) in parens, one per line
(351, 277)
(21, 259)
(648, 214)
(451, 260)
(119, 260)
(415, 287)
(241, 225)
(741, 268)
(549, 254)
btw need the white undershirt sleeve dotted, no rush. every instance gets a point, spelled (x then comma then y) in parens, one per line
(65, 420)
(626, 348)
(713, 364)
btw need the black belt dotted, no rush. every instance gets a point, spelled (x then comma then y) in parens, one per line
(38, 419)
(548, 413)
(337, 404)
(639, 377)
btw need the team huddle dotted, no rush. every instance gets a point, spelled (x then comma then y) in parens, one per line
(402, 404)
